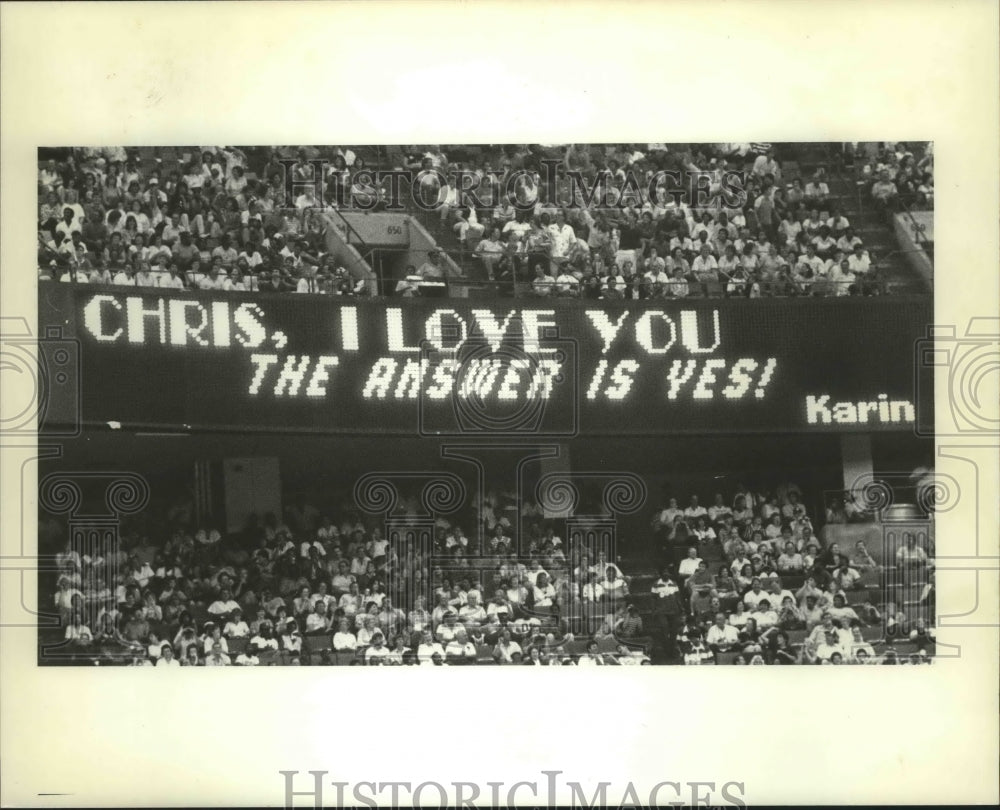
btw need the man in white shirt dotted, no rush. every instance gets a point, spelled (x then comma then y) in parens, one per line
(592, 591)
(218, 658)
(656, 275)
(170, 280)
(694, 509)
(428, 648)
(843, 277)
(123, 278)
(592, 657)
(377, 652)
(859, 260)
(722, 636)
(753, 597)
(666, 517)
(472, 614)
(689, 564)
(224, 605)
(167, 658)
(718, 510)
(740, 560)
(562, 237)
(460, 650)
(704, 265)
(566, 284)
(447, 200)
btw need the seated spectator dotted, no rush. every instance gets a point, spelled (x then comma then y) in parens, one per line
(264, 639)
(167, 658)
(592, 657)
(697, 651)
(704, 533)
(77, 633)
(216, 657)
(291, 639)
(429, 649)
(224, 605)
(236, 627)
(377, 652)
(460, 650)
(689, 564)
(722, 636)
(910, 555)
(790, 561)
(764, 616)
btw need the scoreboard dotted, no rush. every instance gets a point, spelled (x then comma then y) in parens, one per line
(177, 360)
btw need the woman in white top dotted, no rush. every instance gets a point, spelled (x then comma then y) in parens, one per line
(738, 618)
(344, 640)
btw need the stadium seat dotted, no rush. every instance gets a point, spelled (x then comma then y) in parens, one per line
(237, 645)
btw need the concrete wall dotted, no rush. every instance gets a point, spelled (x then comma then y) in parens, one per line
(346, 254)
(915, 254)
(392, 232)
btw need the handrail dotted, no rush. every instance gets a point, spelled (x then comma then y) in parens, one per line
(350, 228)
(522, 289)
(826, 289)
(918, 229)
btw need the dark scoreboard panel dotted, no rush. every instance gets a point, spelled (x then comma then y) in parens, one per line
(474, 367)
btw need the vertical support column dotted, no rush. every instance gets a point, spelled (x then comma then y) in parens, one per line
(410, 537)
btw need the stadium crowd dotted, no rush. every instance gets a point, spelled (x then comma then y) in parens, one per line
(221, 218)
(897, 177)
(746, 580)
